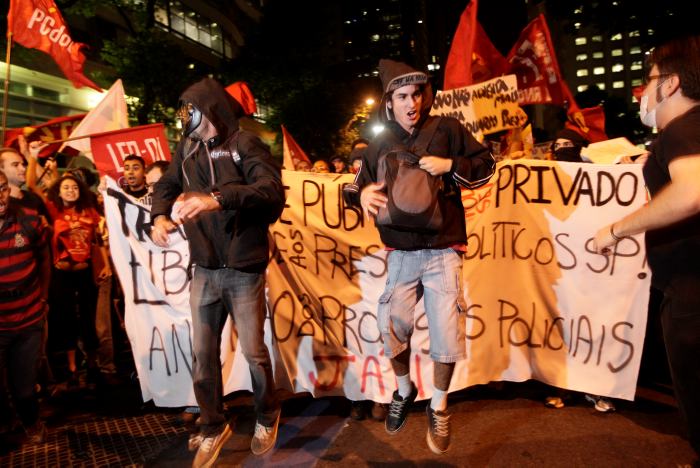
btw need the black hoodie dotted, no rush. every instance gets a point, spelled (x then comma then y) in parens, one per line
(235, 236)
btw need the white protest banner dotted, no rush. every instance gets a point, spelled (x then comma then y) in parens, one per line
(484, 108)
(541, 304)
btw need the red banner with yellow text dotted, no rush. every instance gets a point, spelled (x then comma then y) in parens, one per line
(55, 129)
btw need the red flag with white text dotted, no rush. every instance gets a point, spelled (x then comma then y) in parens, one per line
(472, 58)
(37, 24)
(110, 148)
(55, 129)
(292, 152)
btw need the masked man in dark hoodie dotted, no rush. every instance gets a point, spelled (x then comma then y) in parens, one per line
(227, 185)
(427, 264)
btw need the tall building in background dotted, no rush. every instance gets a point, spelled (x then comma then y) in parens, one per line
(611, 60)
(209, 33)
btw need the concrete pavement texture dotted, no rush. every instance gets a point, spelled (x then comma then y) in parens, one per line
(498, 425)
(502, 424)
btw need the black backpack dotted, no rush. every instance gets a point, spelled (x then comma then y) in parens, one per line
(414, 194)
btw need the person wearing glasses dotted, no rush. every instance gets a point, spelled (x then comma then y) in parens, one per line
(671, 219)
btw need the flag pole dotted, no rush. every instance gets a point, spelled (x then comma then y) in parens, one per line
(5, 97)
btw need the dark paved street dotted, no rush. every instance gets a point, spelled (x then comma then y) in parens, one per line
(497, 425)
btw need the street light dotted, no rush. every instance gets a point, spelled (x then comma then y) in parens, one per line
(369, 101)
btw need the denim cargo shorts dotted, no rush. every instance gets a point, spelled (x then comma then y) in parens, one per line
(435, 275)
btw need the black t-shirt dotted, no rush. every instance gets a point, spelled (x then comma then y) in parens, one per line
(34, 202)
(674, 251)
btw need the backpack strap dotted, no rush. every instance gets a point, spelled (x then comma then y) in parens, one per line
(425, 136)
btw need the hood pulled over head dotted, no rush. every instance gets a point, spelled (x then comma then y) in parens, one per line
(208, 98)
(395, 75)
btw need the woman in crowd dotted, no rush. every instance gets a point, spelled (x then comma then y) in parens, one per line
(73, 292)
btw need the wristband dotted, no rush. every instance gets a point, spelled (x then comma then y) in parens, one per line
(612, 234)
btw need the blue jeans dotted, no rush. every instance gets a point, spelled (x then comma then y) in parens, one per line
(215, 293)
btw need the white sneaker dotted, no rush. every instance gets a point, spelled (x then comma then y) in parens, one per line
(210, 447)
(265, 437)
(602, 404)
(194, 441)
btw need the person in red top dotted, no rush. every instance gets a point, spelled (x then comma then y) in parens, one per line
(75, 224)
(24, 278)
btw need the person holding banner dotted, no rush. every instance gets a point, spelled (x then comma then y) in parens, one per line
(421, 262)
(671, 219)
(229, 190)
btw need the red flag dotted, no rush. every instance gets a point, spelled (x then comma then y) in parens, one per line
(37, 24)
(55, 129)
(242, 94)
(110, 148)
(292, 152)
(533, 61)
(589, 122)
(472, 58)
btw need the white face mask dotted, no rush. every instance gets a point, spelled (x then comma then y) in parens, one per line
(648, 117)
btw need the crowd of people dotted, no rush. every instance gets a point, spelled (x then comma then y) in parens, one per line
(54, 261)
(58, 290)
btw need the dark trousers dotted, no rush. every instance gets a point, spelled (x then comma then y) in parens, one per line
(681, 326)
(19, 357)
(73, 299)
(214, 294)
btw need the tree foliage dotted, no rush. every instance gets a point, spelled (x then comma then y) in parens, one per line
(147, 60)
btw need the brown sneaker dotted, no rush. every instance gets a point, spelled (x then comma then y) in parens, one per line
(379, 411)
(438, 436)
(210, 447)
(265, 436)
(36, 434)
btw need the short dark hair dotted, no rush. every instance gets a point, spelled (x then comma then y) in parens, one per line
(7, 149)
(681, 57)
(162, 165)
(135, 157)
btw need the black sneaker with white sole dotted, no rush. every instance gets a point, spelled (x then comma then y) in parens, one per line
(398, 410)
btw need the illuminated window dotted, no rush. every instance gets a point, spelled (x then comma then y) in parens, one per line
(597, 39)
(616, 37)
(577, 25)
(183, 21)
(636, 65)
(618, 84)
(618, 67)
(581, 57)
(580, 41)
(637, 82)
(599, 70)
(650, 32)
(582, 72)
(616, 52)
(597, 55)
(581, 88)
(375, 37)
(634, 34)
(601, 86)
